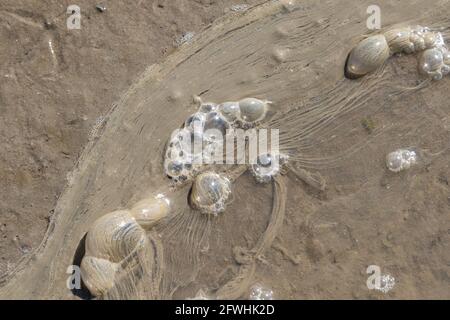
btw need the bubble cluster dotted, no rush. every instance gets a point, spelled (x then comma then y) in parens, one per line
(205, 131)
(434, 59)
(401, 159)
(413, 39)
(387, 283)
(372, 52)
(435, 62)
(210, 193)
(259, 292)
(267, 166)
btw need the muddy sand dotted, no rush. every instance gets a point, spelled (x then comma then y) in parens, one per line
(86, 115)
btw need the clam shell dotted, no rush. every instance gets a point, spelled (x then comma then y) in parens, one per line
(150, 211)
(98, 274)
(399, 40)
(367, 56)
(252, 110)
(114, 236)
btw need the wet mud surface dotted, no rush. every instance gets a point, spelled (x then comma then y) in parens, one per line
(311, 241)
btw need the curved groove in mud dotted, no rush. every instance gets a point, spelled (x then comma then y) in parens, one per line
(247, 259)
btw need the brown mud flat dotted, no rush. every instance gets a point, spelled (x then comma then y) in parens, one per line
(293, 56)
(53, 98)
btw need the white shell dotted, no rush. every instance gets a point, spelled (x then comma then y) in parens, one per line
(252, 110)
(150, 211)
(367, 56)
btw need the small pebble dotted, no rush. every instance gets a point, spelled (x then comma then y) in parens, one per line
(186, 37)
(239, 7)
(259, 292)
(100, 8)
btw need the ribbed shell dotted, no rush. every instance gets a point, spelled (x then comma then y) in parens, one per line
(367, 56)
(98, 274)
(399, 40)
(114, 236)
